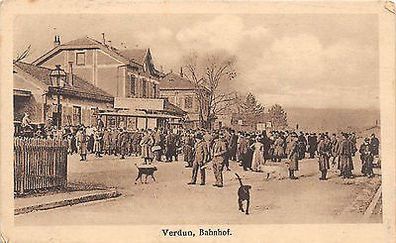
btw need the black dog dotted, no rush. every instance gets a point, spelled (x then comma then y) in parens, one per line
(243, 195)
(145, 170)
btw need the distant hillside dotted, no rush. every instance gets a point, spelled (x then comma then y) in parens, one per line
(332, 119)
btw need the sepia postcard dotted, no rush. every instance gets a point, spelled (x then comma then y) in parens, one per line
(201, 121)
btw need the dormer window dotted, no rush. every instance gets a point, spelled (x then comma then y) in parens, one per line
(80, 58)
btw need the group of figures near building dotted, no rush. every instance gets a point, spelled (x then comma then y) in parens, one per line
(219, 147)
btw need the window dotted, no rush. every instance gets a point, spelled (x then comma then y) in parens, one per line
(133, 85)
(188, 102)
(144, 94)
(80, 58)
(154, 90)
(76, 113)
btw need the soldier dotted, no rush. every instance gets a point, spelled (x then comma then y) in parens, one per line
(114, 142)
(106, 141)
(200, 158)
(123, 141)
(279, 148)
(98, 136)
(147, 143)
(324, 151)
(233, 145)
(219, 153)
(366, 156)
(333, 144)
(345, 153)
(188, 145)
(81, 139)
(170, 147)
(302, 144)
(134, 143)
(374, 144)
(293, 157)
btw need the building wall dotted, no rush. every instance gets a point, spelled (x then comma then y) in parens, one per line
(105, 72)
(88, 108)
(178, 98)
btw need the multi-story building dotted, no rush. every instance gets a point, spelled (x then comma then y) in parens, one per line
(182, 93)
(129, 75)
(35, 94)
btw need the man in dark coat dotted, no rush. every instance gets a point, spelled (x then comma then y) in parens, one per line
(293, 157)
(233, 145)
(324, 152)
(345, 153)
(374, 144)
(302, 144)
(170, 146)
(243, 150)
(123, 142)
(367, 158)
(219, 154)
(200, 158)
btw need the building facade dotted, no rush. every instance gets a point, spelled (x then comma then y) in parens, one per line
(35, 95)
(121, 73)
(182, 93)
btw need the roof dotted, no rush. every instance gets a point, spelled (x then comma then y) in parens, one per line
(174, 81)
(87, 43)
(136, 55)
(171, 108)
(80, 86)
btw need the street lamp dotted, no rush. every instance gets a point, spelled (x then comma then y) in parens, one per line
(58, 81)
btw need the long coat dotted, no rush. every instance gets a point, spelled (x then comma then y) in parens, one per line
(279, 150)
(345, 153)
(147, 143)
(293, 156)
(324, 151)
(200, 153)
(81, 140)
(258, 155)
(219, 151)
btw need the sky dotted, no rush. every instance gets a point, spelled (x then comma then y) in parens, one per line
(301, 60)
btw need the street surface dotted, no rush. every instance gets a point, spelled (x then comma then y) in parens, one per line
(171, 201)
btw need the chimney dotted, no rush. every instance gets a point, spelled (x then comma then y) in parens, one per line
(103, 38)
(57, 41)
(181, 71)
(70, 76)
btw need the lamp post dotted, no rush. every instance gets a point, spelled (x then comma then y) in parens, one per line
(58, 81)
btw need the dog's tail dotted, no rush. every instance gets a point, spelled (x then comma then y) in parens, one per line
(239, 179)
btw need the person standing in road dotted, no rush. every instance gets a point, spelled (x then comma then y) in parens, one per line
(200, 158)
(258, 155)
(345, 153)
(147, 143)
(81, 139)
(324, 151)
(366, 156)
(374, 144)
(293, 157)
(219, 153)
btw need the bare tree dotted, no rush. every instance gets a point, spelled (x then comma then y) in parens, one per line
(20, 56)
(207, 74)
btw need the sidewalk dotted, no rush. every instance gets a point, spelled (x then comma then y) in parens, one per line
(29, 204)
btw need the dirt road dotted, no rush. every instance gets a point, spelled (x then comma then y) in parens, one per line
(171, 201)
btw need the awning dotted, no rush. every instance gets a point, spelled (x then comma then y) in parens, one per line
(139, 114)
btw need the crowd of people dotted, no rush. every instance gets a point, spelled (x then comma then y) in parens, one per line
(198, 148)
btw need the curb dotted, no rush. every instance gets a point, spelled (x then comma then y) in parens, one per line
(369, 211)
(68, 202)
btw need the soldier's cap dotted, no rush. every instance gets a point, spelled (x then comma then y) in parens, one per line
(367, 139)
